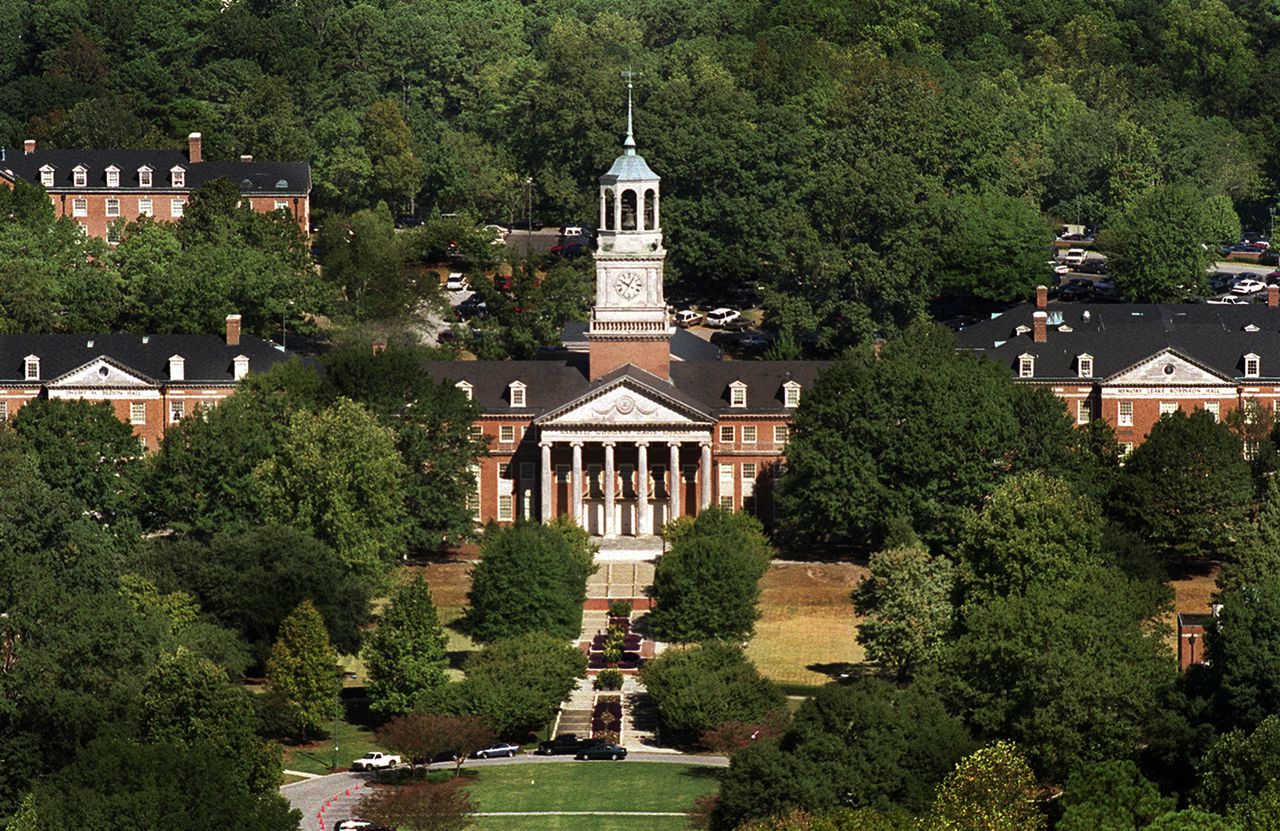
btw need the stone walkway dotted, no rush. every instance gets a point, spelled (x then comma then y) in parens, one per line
(620, 579)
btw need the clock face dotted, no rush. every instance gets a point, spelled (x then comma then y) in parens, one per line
(629, 284)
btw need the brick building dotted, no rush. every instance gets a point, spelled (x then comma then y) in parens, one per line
(98, 188)
(151, 381)
(633, 424)
(1130, 363)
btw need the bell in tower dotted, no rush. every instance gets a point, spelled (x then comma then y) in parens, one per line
(629, 322)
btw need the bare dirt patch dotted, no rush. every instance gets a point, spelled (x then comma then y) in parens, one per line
(807, 632)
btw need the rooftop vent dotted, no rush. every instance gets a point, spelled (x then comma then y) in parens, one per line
(282, 184)
(88, 344)
(146, 339)
(1252, 327)
(1021, 330)
(1064, 328)
(246, 184)
(1055, 318)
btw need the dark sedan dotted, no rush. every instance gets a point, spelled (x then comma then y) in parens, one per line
(611, 752)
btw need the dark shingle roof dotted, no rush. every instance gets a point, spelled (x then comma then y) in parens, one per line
(207, 358)
(685, 345)
(256, 178)
(1120, 335)
(700, 385)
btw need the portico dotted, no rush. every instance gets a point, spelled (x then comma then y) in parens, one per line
(626, 458)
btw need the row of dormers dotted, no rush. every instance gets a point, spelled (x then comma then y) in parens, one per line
(145, 174)
(1250, 362)
(177, 367)
(517, 394)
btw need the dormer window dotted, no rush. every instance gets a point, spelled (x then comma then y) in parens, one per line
(791, 394)
(79, 175)
(31, 367)
(113, 177)
(144, 177)
(177, 368)
(241, 364)
(1084, 365)
(178, 177)
(1026, 366)
(737, 394)
(517, 393)
(1252, 366)
(46, 176)
(466, 388)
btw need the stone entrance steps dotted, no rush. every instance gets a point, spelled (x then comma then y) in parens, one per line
(575, 714)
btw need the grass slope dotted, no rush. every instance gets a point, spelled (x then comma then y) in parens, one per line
(807, 632)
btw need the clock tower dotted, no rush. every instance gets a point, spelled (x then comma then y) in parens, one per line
(629, 322)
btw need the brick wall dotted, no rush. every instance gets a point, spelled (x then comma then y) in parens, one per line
(96, 222)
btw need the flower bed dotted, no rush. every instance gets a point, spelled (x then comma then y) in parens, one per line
(606, 718)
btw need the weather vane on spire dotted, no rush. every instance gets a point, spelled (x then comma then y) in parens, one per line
(630, 143)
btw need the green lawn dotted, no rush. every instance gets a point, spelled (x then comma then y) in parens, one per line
(590, 786)
(317, 757)
(581, 824)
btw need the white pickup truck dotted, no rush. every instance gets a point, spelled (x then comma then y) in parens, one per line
(375, 761)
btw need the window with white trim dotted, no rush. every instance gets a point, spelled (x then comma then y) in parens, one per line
(1168, 407)
(113, 233)
(517, 394)
(79, 207)
(80, 176)
(113, 207)
(726, 434)
(477, 432)
(748, 434)
(144, 208)
(138, 412)
(84, 230)
(113, 177)
(506, 512)
(791, 394)
(473, 495)
(144, 177)
(1084, 411)
(781, 433)
(1026, 366)
(726, 487)
(506, 434)
(177, 207)
(1213, 409)
(466, 388)
(178, 177)
(504, 470)
(31, 368)
(1252, 366)
(1084, 365)
(1251, 410)
(177, 409)
(46, 176)
(737, 394)
(1124, 414)
(282, 205)
(4, 410)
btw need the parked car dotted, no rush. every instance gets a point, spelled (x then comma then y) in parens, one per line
(497, 749)
(565, 744)
(359, 825)
(456, 282)
(1058, 268)
(1076, 290)
(1228, 300)
(408, 221)
(1223, 281)
(1249, 286)
(499, 233)
(717, 318)
(572, 231)
(1093, 265)
(375, 760)
(1104, 288)
(1273, 278)
(570, 249)
(612, 752)
(1075, 256)
(686, 318)
(527, 225)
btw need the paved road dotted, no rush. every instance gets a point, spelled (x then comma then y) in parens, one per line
(326, 801)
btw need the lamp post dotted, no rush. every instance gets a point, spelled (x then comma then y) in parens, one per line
(1191, 655)
(1271, 230)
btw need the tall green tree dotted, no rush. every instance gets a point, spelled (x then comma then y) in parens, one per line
(405, 656)
(993, 246)
(1111, 796)
(707, 585)
(1156, 247)
(518, 683)
(302, 672)
(989, 790)
(905, 603)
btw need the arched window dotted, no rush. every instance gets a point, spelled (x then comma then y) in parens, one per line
(608, 210)
(650, 209)
(628, 210)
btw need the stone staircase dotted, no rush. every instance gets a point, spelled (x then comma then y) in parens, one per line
(575, 714)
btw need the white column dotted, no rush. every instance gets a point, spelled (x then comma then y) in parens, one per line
(705, 499)
(602, 209)
(617, 208)
(575, 486)
(610, 492)
(546, 480)
(657, 223)
(674, 490)
(644, 517)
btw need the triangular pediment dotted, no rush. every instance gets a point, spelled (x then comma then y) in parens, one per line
(103, 373)
(1167, 367)
(624, 401)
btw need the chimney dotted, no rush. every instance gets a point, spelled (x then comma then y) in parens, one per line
(1042, 297)
(28, 147)
(245, 157)
(193, 148)
(379, 346)
(1039, 327)
(233, 330)
(1273, 296)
